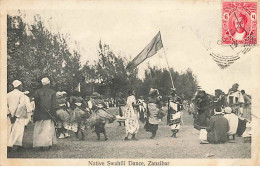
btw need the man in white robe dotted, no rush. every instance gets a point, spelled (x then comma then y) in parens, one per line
(235, 100)
(17, 115)
(232, 121)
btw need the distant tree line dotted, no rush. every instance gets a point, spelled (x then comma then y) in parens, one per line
(34, 52)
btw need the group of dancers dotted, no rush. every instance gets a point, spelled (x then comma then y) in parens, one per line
(76, 114)
(150, 112)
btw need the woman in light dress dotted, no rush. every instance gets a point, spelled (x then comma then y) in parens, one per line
(131, 115)
(154, 112)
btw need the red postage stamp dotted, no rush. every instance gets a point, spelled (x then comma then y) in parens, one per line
(239, 23)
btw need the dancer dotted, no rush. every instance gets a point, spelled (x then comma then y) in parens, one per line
(79, 114)
(131, 114)
(174, 112)
(154, 112)
(98, 119)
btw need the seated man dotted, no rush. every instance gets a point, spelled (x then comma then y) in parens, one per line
(232, 121)
(218, 128)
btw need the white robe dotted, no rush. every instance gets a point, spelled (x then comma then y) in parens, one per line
(16, 102)
(131, 115)
(44, 133)
(233, 123)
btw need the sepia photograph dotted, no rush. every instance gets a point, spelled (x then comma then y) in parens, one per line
(130, 83)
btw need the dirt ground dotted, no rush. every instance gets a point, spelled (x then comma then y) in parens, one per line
(186, 145)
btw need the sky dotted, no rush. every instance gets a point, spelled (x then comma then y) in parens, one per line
(189, 31)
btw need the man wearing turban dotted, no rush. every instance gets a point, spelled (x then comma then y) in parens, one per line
(235, 99)
(174, 112)
(239, 22)
(18, 110)
(45, 112)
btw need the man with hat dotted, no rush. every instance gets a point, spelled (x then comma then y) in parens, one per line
(203, 107)
(154, 112)
(121, 102)
(232, 121)
(218, 128)
(45, 112)
(17, 114)
(174, 112)
(235, 99)
(219, 99)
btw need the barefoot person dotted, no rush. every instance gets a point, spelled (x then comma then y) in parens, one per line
(174, 112)
(63, 115)
(142, 109)
(154, 109)
(45, 112)
(98, 119)
(80, 113)
(121, 105)
(131, 114)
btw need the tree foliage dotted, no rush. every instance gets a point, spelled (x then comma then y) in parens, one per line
(34, 52)
(109, 74)
(185, 83)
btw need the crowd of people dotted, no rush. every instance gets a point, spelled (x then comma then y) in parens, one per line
(222, 115)
(55, 114)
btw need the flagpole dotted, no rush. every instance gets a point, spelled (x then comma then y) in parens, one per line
(168, 67)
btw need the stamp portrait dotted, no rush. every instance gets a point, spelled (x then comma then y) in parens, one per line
(239, 23)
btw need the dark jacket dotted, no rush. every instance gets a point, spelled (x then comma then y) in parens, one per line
(78, 99)
(203, 117)
(45, 104)
(175, 99)
(217, 130)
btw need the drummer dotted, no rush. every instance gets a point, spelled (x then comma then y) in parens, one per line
(99, 117)
(80, 113)
(62, 114)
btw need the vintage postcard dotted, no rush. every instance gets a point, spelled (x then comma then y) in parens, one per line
(129, 83)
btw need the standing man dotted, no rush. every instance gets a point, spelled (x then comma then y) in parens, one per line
(247, 105)
(174, 112)
(154, 112)
(219, 99)
(45, 111)
(203, 107)
(235, 100)
(121, 105)
(142, 108)
(17, 115)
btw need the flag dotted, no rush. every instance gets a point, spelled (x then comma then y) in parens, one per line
(151, 49)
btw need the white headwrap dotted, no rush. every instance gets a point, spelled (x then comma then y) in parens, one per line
(228, 110)
(45, 81)
(16, 83)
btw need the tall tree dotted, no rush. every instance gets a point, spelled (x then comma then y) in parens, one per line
(34, 51)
